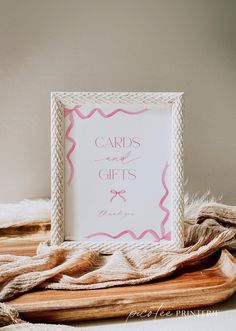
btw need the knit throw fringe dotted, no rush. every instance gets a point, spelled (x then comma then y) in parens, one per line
(76, 269)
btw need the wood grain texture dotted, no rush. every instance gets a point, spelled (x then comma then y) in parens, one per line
(213, 283)
(20, 246)
(23, 239)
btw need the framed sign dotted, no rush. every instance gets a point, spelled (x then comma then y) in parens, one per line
(117, 170)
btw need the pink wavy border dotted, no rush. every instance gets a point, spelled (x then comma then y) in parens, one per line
(166, 236)
(166, 210)
(73, 142)
(76, 109)
(100, 112)
(128, 231)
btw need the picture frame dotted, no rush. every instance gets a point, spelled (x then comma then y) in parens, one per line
(161, 123)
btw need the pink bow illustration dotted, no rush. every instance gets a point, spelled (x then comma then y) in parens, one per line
(117, 194)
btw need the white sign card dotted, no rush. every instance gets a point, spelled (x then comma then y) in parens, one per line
(118, 171)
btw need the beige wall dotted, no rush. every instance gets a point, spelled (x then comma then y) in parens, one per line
(117, 45)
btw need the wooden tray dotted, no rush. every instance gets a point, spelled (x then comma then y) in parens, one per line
(195, 288)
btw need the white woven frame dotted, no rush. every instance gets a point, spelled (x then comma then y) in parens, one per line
(58, 100)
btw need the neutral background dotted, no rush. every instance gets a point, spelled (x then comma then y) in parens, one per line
(117, 45)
